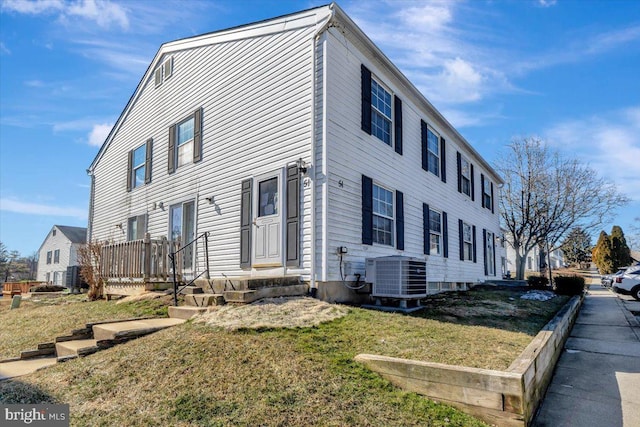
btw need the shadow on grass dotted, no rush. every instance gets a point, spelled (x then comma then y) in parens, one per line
(14, 391)
(498, 307)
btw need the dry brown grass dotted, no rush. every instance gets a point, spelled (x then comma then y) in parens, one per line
(289, 312)
(37, 322)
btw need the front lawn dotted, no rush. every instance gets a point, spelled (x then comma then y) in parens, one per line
(195, 374)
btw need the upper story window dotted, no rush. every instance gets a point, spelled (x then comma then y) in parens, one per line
(185, 141)
(487, 193)
(49, 254)
(382, 215)
(433, 151)
(380, 112)
(465, 176)
(139, 166)
(435, 232)
(56, 256)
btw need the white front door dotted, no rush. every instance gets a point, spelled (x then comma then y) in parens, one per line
(268, 220)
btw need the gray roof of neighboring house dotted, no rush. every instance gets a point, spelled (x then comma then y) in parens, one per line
(75, 234)
(635, 255)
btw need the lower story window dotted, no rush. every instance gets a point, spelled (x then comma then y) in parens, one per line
(136, 227)
(467, 242)
(382, 216)
(435, 232)
(490, 255)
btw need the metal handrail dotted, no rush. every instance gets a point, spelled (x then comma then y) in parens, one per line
(172, 256)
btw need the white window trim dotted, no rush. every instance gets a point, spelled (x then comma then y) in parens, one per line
(374, 109)
(463, 159)
(188, 159)
(469, 242)
(435, 233)
(134, 168)
(487, 192)
(431, 153)
(393, 220)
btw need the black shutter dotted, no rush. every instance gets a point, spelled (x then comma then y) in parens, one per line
(493, 243)
(425, 229)
(366, 99)
(482, 190)
(461, 238)
(484, 251)
(397, 123)
(473, 235)
(399, 220)
(171, 164)
(245, 224)
(445, 235)
(130, 171)
(443, 160)
(459, 163)
(367, 210)
(293, 216)
(197, 135)
(473, 185)
(147, 164)
(492, 211)
(423, 135)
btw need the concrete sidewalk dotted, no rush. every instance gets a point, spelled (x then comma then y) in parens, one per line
(597, 378)
(119, 331)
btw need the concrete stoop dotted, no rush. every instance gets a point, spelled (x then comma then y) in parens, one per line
(83, 342)
(214, 292)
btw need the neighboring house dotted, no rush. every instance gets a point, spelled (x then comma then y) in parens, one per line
(535, 261)
(58, 252)
(286, 140)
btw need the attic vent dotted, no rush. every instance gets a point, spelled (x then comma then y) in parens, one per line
(158, 76)
(168, 67)
(164, 71)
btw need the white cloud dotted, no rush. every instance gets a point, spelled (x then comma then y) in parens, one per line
(12, 205)
(609, 143)
(4, 49)
(35, 7)
(102, 12)
(99, 133)
(547, 3)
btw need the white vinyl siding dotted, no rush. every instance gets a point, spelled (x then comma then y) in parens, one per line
(251, 90)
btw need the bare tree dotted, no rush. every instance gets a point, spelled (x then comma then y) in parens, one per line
(90, 260)
(545, 195)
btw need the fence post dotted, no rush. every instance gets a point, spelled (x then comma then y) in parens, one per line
(146, 267)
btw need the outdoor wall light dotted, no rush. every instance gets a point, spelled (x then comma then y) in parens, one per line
(302, 166)
(210, 200)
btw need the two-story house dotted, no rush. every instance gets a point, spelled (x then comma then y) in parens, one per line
(302, 150)
(59, 252)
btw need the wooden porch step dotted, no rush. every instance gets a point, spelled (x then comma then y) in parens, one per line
(203, 300)
(191, 290)
(76, 348)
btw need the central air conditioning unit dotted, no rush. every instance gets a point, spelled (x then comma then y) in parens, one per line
(397, 277)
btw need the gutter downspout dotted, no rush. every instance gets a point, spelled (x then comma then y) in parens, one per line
(314, 40)
(90, 216)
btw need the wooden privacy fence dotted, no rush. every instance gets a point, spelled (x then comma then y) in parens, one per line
(146, 259)
(16, 288)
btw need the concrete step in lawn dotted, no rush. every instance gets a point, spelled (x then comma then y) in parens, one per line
(76, 348)
(186, 312)
(93, 338)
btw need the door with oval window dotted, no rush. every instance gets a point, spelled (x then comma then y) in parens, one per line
(268, 220)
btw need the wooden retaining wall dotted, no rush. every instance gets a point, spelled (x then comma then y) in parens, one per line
(503, 398)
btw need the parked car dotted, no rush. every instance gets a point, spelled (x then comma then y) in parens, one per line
(608, 280)
(628, 283)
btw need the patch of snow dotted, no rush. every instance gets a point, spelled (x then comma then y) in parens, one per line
(538, 295)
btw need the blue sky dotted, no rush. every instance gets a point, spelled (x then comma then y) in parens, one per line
(564, 70)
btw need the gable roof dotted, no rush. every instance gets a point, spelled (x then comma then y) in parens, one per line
(74, 234)
(322, 18)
